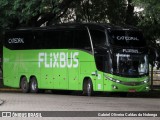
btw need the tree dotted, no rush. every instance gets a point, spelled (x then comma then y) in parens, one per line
(35, 13)
(16, 13)
(105, 11)
(149, 18)
(149, 22)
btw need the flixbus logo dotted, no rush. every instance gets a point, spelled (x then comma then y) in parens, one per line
(58, 60)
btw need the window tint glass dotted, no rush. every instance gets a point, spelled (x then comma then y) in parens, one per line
(126, 38)
(19, 40)
(67, 39)
(98, 37)
(38, 41)
(82, 40)
(52, 39)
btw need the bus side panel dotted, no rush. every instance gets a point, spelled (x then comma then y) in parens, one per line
(59, 69)
(73, 78)
(53, 70)
(43, 70)
(88, 70)
(27, 64)
(73, 69)
(10, 67)
(61, 78)
(99, 81)
(46, 78)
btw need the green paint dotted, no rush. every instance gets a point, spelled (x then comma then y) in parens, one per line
(26, 62)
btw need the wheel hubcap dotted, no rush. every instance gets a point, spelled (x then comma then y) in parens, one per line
(88, 88)
(24, 85)
(34, 85)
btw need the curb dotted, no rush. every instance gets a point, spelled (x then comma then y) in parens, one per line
(9, 90)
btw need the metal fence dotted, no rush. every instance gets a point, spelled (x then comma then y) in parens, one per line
(156, 77)
(1, 78)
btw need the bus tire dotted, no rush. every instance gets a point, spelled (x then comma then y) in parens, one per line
(88, 88)
(24, 85)
(33, 85)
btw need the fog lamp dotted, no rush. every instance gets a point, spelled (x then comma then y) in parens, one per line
(114, 87)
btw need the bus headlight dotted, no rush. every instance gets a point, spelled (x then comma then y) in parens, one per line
(112, 79)
(114, 87)
(118, 81)
(146, 80)
(147, 88)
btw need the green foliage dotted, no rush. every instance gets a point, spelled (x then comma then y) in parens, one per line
(36, 12)
(17, 13)
(149, 18)
(110, 11)
(149, 22)
(91, 11)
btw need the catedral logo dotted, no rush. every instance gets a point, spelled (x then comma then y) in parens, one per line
(127, 38)
(15, 40)
(58, 60)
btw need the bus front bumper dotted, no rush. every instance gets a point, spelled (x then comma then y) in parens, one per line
(119, 86)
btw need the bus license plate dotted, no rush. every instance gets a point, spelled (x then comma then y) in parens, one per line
(132, 90)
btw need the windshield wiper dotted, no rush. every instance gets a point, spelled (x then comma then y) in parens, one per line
(101, 46)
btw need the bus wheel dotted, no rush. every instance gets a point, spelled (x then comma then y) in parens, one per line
(88, 88)
(24, 85)
(33, 85)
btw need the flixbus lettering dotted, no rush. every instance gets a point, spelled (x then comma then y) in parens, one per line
(58, 60)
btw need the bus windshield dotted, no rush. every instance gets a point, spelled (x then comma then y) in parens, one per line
(99, 38)
(130, 65)
(126, 38)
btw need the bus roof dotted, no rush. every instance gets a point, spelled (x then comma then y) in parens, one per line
(82, 25)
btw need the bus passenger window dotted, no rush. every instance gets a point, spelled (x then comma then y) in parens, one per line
(66, 40)
(82, 40)
(52, 39)
(39, 41)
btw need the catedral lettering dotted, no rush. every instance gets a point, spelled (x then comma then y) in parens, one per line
(126, 38)
(15, 40)
(58, 60)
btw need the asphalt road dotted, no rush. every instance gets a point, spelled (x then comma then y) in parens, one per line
(17, 101)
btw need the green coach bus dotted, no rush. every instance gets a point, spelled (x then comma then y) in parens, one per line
(82, 56)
